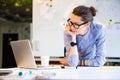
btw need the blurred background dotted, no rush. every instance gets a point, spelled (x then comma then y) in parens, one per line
(15, 20)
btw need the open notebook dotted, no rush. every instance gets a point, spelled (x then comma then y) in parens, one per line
(23, 55)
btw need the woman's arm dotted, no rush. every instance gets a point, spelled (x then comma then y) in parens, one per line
(71, 51)
(99, 59)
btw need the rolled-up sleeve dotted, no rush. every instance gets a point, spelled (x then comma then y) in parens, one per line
(72, 60)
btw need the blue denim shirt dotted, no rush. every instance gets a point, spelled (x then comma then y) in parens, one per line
(90, 47)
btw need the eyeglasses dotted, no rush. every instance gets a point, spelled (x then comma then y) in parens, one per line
(74, 24)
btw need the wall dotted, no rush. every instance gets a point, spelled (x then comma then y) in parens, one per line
(23, 30)
(113, 40)
(51, 15)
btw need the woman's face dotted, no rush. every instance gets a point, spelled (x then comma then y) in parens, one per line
(77, 26)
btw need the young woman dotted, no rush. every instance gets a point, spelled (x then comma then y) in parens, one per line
(84, 39)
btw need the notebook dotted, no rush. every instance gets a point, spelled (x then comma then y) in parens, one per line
(22, 51)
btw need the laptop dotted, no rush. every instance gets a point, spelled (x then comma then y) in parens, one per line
(22, 51)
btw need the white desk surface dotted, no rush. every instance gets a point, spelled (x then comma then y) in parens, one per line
(83, 73)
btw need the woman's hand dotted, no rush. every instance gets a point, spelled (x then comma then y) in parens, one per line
(69, 30)
(64, 61)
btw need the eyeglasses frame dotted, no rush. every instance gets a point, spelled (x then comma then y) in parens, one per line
(73, 24)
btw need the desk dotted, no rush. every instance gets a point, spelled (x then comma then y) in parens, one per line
(83, 73)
